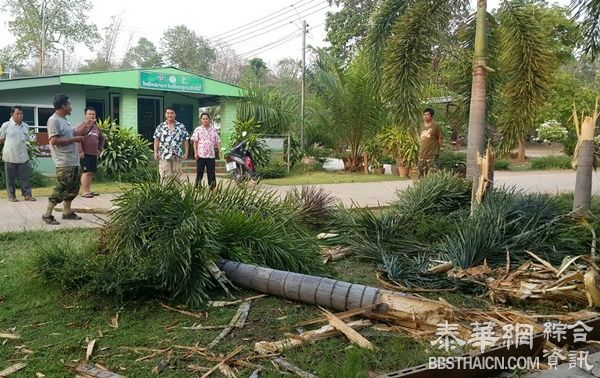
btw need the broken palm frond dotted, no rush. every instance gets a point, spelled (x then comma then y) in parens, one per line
(12, 369)
(572, 282)
(89, 350)
(184, 312)
(236, 322)
(486, 175)
(309, 337)
(87, 371)
(335, 253)
(350, 333)
(294, 369)
(315, 206)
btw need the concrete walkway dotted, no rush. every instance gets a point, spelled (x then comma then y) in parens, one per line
(27, 215)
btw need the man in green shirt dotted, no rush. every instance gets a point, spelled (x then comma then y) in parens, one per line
(15, 134)
(431, 142)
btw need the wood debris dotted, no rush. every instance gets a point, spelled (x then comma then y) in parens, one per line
(187, 313)
(114, 321)
(294, 369)
(309, 337)
(11, 336)
(40, 375)
(163, 363)
(87, 371)
(89, 350)
(243, 309)
(335, 253)
(224, 361)
(12, 369)
(230, 303)
(350, 333)
(86, 210)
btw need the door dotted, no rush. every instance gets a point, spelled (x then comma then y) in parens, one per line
(150, 115)
(185, 115)
(98, 106)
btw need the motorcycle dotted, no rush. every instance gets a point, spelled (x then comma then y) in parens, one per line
(240, 164)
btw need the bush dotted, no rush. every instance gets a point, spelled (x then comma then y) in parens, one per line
(448, 159)
(551, 162)
(275, 169)
(315, 206)
(254, 143)
(501, 164)
(124, 151)
(569, 144)
(302, 168)
(36, 179)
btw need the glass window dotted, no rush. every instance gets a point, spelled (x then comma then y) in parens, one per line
(43, 115)
(29, 115)
(4, 113)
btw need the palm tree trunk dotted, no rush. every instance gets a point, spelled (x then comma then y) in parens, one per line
(477, 108)
(584, 154)
(521, 154)
(339, 295)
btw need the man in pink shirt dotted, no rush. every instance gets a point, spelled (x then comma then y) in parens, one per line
(206, 140)
(92, 145)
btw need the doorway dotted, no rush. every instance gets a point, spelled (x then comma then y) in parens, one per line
(150, 115)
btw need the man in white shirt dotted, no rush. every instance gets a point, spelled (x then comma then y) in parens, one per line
(15, 134)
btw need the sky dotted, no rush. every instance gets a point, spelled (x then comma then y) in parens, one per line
(269, 29)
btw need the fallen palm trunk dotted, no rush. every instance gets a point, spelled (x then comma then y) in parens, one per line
(407, 310)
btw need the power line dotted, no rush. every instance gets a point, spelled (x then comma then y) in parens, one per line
(257, 20)
(254, 34)
(274, 44)
(276, 25)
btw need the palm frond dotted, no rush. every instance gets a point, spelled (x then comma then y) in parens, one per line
(589, 13)
(527, 62)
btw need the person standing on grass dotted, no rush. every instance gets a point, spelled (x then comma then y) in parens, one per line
(171, 145)
(206, 140)
(63, 148)
(92, 145)
(431, 142)
(14, 134)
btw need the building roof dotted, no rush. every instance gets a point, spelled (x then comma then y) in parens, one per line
(132, 79)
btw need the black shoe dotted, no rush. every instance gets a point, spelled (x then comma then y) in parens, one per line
(71, 216)
(50, 220)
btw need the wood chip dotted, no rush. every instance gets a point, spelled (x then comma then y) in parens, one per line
(227, 371)
(198, 368)
(230, 326)
(114, 321)
(267, 347)
(12, 369)
(187, 313)
(12, 336)
(162, 364)
(224, 361)
(88, 371)
(231, 303)
(294, 369)
(89, 350)
(351, 334)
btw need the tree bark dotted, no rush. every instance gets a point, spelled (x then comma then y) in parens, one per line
(521, 155)
(339, 295)
(477, 108)
(582, 202)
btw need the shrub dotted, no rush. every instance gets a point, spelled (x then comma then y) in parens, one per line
(551, 162)
(295, 151)
(124, 151)
(275, 169)
(448, 159)
(36, 179)
(551, 131)
(302, 168)
(501, 164)
(254, 143)
(315, 206)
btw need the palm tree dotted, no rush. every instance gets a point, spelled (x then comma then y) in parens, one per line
(400, 43)
(348, 96)
(589, 10)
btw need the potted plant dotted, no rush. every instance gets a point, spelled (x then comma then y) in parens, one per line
(374, 153)
(403, 145)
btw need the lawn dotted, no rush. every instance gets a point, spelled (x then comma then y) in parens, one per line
(55, 327)
(316, 178)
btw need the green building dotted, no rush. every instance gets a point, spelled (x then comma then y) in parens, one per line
(135, 98)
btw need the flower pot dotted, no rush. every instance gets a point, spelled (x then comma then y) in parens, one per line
(403, 171)
(413, 173)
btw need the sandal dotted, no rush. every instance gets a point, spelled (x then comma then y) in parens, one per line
(95, 194)
(71, 216)
(50, 220)
(88, 195)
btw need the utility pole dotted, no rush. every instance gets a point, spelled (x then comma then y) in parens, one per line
(304, 26)
(62, 69)
(43, 31)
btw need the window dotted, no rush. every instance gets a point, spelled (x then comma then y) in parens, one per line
(114, 108)
(43, 115)
(33, 115)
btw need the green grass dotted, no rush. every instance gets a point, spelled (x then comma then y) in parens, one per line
(55, 325)
(316, 178)
(99, 187)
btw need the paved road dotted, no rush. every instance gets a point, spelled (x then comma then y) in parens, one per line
(27, 215)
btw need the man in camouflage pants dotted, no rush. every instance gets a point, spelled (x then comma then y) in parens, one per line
(63, 147)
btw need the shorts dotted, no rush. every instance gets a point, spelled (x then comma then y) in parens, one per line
(89, 163)
(67, 185)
